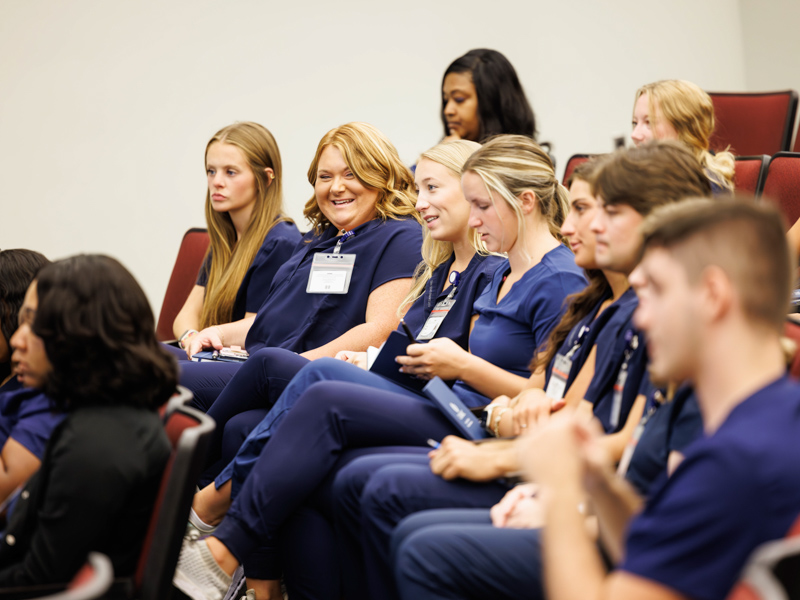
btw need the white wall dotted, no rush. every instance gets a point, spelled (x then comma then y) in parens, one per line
(105, 107)
(771, 44)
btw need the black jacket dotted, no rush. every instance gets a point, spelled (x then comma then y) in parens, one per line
(94, 492)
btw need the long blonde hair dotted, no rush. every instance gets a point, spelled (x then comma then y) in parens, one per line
(374, 161)
(231, 259)
(451, 155)
(509, 165)
(691, 113)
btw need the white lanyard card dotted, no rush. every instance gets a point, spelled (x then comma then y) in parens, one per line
(330, 273)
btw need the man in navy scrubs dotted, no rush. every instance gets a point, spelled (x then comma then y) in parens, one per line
(713, 287)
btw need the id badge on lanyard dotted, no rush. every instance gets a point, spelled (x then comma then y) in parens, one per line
(562, 365)
(632, 342)
(434, 320)
(630, 447)
(439, 312)
(331, 273)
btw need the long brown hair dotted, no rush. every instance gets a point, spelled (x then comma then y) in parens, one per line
(230, 258)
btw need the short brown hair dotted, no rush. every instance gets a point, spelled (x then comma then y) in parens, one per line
(744, 239)
(651, 175)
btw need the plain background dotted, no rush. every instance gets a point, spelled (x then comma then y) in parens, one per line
(106, 105)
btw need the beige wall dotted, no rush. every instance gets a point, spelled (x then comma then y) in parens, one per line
(771, 44)
(106, 106)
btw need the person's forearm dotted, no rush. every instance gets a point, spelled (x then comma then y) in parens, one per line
(567, 549)
(183, 323)
(490, 380)
(357, 339)
(615, 503)
(235, 334)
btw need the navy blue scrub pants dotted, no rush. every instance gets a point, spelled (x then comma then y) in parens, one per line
(237, 396)
(458, 553)
(324, 369)
(373, 494)
(329, 418)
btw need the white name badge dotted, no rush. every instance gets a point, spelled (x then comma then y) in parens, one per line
(558, 377)
(330, 273)
(434, 320)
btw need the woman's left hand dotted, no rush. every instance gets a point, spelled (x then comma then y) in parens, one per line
(440, 357)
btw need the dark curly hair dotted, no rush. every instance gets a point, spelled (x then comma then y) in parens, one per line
(99, 335)
(17, 269)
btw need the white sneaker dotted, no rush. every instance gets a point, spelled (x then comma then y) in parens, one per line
(249, 595)
(198, 575)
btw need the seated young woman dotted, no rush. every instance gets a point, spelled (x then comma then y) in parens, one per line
(250, 235)
(364, 223)
(26, 416)
(482, 97)
(87, 338)
(454, 272)
(674, 109)
(517, 206)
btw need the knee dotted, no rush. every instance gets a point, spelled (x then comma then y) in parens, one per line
(349, 485)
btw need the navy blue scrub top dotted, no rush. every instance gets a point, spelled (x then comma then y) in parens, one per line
(27, 415)
(508, 333)
(672, 425)
(611, 346)
(279, 244)
(595, 325)
(295, 320)
(473, 281)
(734, 490)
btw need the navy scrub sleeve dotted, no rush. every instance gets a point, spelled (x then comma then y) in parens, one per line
(295, 320)
(279, 244)
(27, 415)
(734, 490)
(474, 280)
(611, 348)
(670, 426)
(508, 333)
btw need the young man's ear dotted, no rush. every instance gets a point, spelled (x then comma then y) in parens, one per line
(718, 292)
(270, 175)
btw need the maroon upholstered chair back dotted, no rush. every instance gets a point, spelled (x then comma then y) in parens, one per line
(749, 174)
(754, 123)
(574, 161)
(184, 275)
(782, 184)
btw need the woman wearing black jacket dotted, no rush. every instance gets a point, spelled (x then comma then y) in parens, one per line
(86, 337)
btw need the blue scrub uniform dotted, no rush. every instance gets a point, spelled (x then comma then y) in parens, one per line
(508, 333)
(448, 553)
(279, 244)
(621, 345)
(297, 321)
(27, 416)
(293, 319)
(734, 490)
(261, 382)
(668, 426)
(337, 416)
